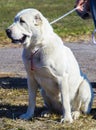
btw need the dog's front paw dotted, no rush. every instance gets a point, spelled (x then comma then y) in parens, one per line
(67, 119)
(26, 116)
(75, 115)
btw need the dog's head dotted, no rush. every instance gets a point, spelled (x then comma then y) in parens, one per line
(27, 27)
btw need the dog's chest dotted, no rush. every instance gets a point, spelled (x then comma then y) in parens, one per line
(37, 67)
(33, 61)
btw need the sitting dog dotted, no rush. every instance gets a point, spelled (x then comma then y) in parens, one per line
(50, 66)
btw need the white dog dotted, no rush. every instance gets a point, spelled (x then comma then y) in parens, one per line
(50, 66)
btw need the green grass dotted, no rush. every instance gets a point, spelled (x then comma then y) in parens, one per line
(71, 26)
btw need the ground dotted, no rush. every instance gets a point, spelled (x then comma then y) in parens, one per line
(13, 91)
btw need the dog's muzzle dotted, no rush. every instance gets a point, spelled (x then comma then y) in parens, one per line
(21, 40)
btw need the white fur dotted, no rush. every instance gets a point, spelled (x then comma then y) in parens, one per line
(64, 88)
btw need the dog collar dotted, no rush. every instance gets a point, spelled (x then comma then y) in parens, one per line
(31, 58)
(32, 55)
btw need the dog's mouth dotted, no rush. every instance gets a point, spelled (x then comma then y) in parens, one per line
(21, 40)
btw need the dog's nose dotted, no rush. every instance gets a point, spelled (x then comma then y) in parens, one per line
(8, 32)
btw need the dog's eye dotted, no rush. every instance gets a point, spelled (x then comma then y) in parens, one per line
(22, 21)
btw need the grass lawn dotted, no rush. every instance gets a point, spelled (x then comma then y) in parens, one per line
(70, 28)
(13, 103)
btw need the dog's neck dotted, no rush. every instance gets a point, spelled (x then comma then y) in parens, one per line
(33, 53)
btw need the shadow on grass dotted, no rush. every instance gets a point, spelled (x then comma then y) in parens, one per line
(93, 113)
(12, 111)
(13, 82)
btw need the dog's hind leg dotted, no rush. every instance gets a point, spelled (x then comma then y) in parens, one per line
(87, 107)
(86, 96)
(76, 105)
(83, 100)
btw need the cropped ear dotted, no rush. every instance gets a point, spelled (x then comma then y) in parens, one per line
(38, 20)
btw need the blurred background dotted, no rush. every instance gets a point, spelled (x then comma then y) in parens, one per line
(71, 28)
